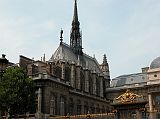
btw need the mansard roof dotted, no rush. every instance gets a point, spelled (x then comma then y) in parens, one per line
(129, 80)
(64, 52)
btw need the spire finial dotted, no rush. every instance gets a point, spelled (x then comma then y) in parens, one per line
(76, 36)
(75, 17)
(61, 35)
(104, 59)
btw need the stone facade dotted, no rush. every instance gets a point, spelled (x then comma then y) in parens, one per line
(70, 81)
(74, 90)
(146, 84)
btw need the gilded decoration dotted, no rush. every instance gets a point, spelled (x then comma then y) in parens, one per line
(128, 97)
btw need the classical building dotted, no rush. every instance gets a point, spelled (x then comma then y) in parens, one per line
(70, 81)
(146, 84)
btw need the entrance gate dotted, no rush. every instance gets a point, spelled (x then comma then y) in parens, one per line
(130, 106)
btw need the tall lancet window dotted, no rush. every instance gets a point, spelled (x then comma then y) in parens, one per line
(62, 106)
(53, 105)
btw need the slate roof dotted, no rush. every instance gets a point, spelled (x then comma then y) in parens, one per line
(64, 52)
(129, 80)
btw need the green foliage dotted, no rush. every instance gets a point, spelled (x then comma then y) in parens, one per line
(17, 91)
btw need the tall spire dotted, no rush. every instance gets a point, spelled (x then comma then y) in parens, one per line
(75, 36)
(75, 17)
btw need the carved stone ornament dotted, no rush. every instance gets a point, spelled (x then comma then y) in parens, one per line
(128, 97)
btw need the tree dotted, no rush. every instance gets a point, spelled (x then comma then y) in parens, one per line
(17, 92)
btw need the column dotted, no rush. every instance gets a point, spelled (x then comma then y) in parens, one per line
(63, 70)
(39, 109)
(150, 102)
(39, 100)
(151, 115)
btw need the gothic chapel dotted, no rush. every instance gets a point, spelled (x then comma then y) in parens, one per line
(70, 81)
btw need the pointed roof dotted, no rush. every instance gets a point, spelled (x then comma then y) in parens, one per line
(64, 52)
(75, 16)
(76, 36)
(104, 59)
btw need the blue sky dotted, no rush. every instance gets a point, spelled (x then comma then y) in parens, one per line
(127, 31)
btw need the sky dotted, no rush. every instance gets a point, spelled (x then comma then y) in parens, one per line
(127, 31)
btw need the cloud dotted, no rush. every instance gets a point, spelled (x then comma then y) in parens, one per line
(21, 35)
